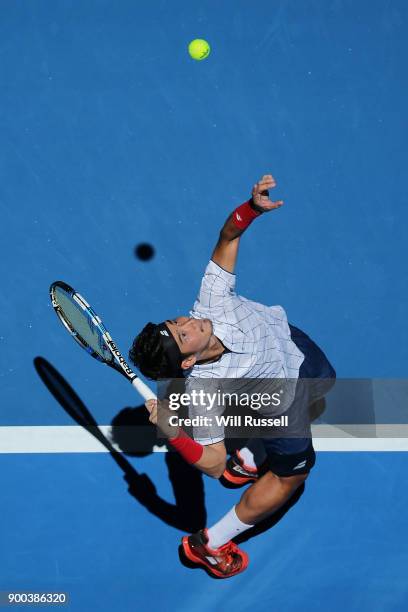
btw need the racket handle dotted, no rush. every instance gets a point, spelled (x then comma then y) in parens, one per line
(143, 389)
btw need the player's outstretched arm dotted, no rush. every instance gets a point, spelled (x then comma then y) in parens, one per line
(226, 249)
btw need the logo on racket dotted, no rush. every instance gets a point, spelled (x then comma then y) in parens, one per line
(119, 357)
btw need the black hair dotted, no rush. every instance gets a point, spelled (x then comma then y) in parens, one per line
(147, 354)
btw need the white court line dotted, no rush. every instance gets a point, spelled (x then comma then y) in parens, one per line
(75, 439)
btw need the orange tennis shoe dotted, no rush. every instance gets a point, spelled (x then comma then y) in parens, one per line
(237, 473)
(223, 562)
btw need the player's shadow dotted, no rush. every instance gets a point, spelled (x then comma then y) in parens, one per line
(136, 436)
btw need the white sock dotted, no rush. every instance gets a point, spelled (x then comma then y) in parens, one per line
(226, 529)
(253, 454)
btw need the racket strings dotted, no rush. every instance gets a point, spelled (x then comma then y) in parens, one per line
(81, 324)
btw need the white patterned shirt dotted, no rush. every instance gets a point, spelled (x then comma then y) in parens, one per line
(258, 337)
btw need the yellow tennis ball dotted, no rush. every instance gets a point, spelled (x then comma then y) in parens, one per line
(199, 49)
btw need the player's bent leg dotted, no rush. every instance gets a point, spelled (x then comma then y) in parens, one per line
(266, 496)
(290, 461)
(213, 548)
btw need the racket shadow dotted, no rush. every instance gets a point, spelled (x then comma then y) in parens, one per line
(188, 514)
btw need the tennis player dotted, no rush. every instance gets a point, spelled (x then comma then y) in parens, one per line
(229, 337)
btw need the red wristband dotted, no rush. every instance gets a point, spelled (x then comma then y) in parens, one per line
(244, 215)
(190, 450)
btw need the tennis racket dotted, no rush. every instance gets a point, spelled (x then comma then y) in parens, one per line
(87, 329)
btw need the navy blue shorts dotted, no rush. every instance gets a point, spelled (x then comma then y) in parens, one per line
(291, 456)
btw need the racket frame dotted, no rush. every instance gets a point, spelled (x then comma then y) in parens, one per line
(117, 362)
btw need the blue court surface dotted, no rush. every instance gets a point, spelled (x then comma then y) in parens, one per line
(113, 136)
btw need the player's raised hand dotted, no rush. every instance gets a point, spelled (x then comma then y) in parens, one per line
(260, 194)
